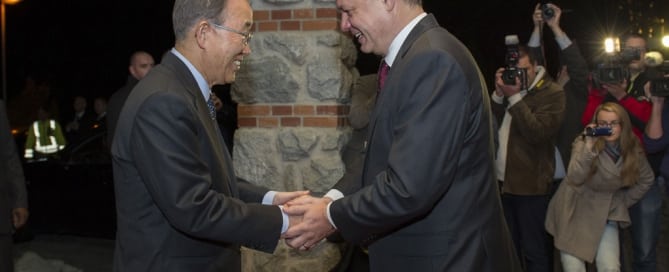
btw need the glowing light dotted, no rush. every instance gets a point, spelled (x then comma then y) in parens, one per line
(665, 41)
(611, 45)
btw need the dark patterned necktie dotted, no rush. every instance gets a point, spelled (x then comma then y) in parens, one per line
(212, 108)
(383, 74)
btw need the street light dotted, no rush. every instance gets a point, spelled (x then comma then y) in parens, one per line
(4, 46)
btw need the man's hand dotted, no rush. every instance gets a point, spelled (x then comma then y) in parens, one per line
(537, 17)
(506, 90)
(19, 217)
(314, 227)
(554, 22)
(619, 91)
(281, 198)
(656, 100)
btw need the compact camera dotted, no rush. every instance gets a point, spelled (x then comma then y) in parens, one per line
(547, 12)
(512, 71)
(598, 131)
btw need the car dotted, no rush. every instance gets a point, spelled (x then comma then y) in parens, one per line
(72, 192)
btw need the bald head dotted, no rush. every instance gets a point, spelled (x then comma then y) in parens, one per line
(140, 64)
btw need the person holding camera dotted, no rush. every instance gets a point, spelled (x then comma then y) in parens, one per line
(607, 174)
(530, 117)
(573, 76)
(631, 95)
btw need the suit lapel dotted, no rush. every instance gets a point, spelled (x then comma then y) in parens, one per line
(223, 160)
(428, 22)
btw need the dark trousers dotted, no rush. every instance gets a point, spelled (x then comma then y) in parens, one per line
(525, 216)
(6, 254)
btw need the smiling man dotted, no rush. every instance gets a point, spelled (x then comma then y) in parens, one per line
(179, 204)
(427, 199)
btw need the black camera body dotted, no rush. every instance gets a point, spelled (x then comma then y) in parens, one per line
(614, 69)
(658, 73)
(598, 131)
(547, 12)
(512, 71)
(659, 84)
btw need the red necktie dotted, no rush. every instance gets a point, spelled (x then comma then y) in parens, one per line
(383, 74)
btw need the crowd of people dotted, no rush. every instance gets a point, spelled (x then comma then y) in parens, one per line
(442, 175)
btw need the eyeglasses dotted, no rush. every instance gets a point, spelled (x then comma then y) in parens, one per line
(247, 35)
(605, 124)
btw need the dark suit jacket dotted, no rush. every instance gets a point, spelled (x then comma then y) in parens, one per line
(179, 205)
(427, 199)
(115, 104)
(12, 183)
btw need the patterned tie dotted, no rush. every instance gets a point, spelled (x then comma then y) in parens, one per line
(383, 73)
(212, 108)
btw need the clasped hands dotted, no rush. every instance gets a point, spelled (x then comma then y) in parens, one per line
(309, 223)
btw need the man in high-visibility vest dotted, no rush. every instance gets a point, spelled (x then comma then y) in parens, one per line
(45, 137)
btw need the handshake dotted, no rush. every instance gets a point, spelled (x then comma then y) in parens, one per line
(308, 219)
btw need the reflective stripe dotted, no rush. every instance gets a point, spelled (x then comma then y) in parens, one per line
(46, 149)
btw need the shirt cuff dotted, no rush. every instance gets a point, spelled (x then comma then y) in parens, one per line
(286, 222)
(330, 217)
(268, 199)
(514, 99)
(535, 40)
(563, 41)
(334, 194)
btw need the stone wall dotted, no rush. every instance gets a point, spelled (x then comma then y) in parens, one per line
(293, 93)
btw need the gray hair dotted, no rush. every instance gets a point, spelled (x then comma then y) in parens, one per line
(187, 13)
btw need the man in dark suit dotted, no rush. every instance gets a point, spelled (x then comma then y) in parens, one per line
(179, 204)
(13, 198)
(140, 64)
(427, 199)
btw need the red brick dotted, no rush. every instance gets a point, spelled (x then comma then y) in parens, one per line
(322, 122)
(253, 110)
(260, 15)
(326, 13)
(291, 121)
(268, 122)
(303, 110)
(291, 25)
(303, 14)
(331, 110)
(282, 110)
(247, 122)
(282, 14)
(267, 26)
(319, 25)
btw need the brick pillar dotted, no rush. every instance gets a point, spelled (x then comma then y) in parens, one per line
(293, 93)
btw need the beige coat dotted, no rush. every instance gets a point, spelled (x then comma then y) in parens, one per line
(579, 210)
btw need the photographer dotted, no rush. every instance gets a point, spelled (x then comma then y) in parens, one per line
(573, 75)
(607, 174)
(530, 117)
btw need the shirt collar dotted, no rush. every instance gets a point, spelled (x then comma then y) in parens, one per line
(201, 82)
(395, 46)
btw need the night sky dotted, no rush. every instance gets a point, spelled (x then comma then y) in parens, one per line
(82, 47)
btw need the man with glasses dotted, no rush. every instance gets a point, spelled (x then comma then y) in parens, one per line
(179, 205)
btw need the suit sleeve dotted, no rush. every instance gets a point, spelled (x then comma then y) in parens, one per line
(17, 187)
(428, 127)
(167, 151)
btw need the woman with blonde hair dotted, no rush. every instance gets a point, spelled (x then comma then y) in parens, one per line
(607, 174)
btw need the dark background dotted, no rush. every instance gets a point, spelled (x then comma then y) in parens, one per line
(82, 47)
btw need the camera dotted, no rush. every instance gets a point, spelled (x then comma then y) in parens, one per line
(614, 68)
(658, 70)
(547, 12)
(512, 71)
(598, 131)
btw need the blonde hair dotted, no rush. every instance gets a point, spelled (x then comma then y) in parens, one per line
(630, 147)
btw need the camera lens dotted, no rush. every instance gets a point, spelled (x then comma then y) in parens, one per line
(547, 12)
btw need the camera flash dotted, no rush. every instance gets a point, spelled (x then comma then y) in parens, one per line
(611, 45)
